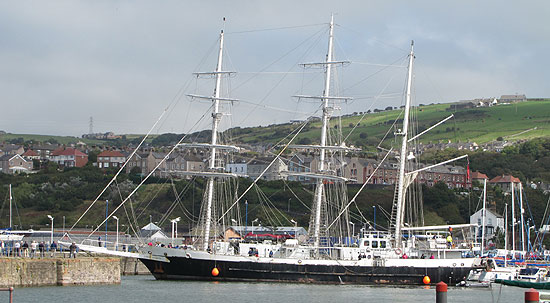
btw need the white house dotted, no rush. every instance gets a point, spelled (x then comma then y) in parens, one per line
(492, 222)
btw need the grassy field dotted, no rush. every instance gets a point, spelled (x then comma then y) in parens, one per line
(524, 120)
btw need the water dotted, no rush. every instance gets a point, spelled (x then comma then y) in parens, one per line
(147, 289)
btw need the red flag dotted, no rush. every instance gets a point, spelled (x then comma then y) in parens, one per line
(468, 172)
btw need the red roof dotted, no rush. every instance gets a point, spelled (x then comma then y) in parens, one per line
(478, 175)
(30, 153)
(505, 179)
(110, 153)
(68, 152)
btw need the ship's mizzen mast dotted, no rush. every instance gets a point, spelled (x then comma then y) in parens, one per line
(399, 203)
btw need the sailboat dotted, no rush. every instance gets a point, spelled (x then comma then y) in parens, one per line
(330, 254)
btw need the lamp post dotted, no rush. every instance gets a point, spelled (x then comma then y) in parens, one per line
(51, 219)
(254, 221)
(63, 226)
(374, 222)
(352, 230)
(245, 216)
(116, 243)
(288, 208)
(106, 216)
(174, 227)
(295, 228)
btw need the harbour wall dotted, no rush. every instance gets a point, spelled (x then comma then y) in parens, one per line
(132, 266)
(23, 272)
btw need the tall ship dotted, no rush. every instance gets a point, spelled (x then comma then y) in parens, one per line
(331, 252)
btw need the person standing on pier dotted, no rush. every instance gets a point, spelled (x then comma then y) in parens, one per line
(17, 246)
(25, 247)
(53, 248)
(41, 248)
(34, 246)
(72, 249)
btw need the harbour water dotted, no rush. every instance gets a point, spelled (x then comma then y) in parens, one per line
(147, 289)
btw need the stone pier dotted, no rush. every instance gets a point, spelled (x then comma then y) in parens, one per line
(22, 272)
(133, 266)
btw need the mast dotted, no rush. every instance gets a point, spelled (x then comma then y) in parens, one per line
(403, 155)
(326, 116)
(10, 207)
(483, 216)
(521, 211)
(216, 117)
(513, 222)
(505, 233)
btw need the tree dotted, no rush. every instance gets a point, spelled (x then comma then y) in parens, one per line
(363, 135)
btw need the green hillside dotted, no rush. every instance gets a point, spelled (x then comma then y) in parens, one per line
(480, 125)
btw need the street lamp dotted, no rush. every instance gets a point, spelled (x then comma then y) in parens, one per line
(254, 221)
(174, 228)
(116, 243)
(295, 228)
(374, 222)
(51, 219)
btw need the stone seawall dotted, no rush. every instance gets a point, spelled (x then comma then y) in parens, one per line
(20, 272)
(132, 266)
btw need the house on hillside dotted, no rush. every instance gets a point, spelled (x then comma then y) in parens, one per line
(505, 182)
(298, 164)
(11, 164)
(239, 168)
(110, 158)
(274, 172)
(11, 149)
(69, 157)
(30, 154)
(479, 177)
(512, 98)
(44, 150)
(178, 164)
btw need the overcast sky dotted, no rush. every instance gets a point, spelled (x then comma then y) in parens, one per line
(124, 62)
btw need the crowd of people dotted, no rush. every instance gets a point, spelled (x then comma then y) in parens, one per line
(36, 249)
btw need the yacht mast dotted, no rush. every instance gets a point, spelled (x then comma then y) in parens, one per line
(216, 117)
(326, 116)
(10, 206)
(483, 216)
(403, 155)
(513, 222)
(505, 233)
(521, 211)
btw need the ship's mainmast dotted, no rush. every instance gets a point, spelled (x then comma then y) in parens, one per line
(212, 172)
(216, 117)
(326, 117)
(399, 204)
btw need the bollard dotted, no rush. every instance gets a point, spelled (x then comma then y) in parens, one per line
(532, 296)
(11, 290)
(441, 292)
